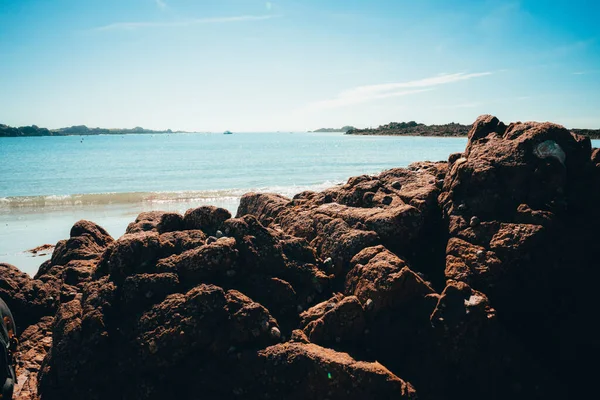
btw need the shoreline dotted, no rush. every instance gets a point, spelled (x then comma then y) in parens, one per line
(593, 134)
(426, 269)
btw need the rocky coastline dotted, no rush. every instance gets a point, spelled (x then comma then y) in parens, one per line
(76, 130)
(452, 129)
(472, 278)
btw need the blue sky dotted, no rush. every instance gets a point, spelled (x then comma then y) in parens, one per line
(294, 65)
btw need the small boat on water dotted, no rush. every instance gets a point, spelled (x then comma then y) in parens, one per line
(227, 133)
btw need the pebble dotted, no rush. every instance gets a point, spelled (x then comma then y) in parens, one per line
(275, 333)
(387, 200)
(219, 234)
(474, 221)
(369, 304)
(396, 185)
(211, 239)
(480, 254)
(462, 207)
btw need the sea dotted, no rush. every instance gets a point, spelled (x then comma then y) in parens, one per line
(49, 183)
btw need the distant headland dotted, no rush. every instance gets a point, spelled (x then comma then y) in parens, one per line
(452, 129)
(76, 130)
(342, 129)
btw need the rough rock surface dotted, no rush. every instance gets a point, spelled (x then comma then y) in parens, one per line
(206, 218)
(34, 344)
(156, 221)
(307, 371)
(468, 279)
(521, 207)
(397, 208)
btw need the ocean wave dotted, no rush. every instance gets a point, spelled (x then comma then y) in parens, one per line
(99, 199)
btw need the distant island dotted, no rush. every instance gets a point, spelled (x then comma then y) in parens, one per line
(34, 130)
(452, 129)
(413, 128)
(342, 129)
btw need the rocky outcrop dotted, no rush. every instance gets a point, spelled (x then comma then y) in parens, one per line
(34, 344)
(521, 207)
(207, 218)
(468, 279)
(28, 299)
(397, 208)
(156, 221)
(306, 371)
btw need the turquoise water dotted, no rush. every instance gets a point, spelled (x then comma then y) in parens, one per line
(200, 162)
(48, 183)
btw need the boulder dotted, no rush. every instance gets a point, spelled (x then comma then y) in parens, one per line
(206, 218)
(28, 299)
(308, 371)
(384, 281)
(132, 253)
(334, 322)
(87, 242)
(195, 339)
(397, 208)
(156, 221)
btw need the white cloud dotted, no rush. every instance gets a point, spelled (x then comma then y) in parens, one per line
(161, 4)
(363, 94)
(182, 23)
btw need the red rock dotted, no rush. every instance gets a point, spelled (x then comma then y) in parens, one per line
(399, 205)
(472, 264)
(384, 280)
(206, 264)
(132, 253)
(156, 221)
(262, 205)
(143, 290)
(180, 241)
(206, 218)
(34, 344)
(340, 242)
(307, 371)
(88, 241)
(335, 321)
(28, 299)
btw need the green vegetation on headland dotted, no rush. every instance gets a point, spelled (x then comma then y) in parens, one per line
(34, 130)
(452, 129)
(342, 129)
(411, 128)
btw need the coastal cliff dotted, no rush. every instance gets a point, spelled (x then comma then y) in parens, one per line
(472, 278)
